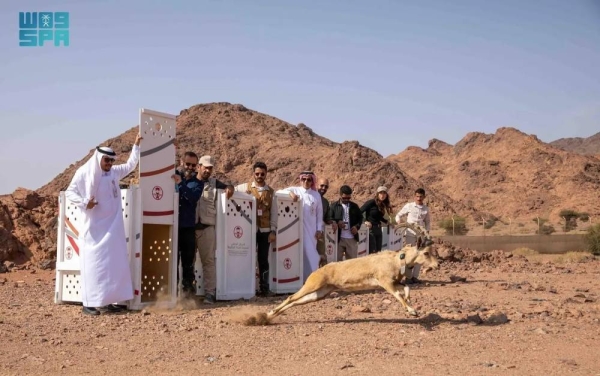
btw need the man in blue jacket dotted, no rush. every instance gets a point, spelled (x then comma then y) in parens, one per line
(190, 189)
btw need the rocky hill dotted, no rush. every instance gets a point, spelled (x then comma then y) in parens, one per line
(237, 137)
(581, 145)
(508, 174)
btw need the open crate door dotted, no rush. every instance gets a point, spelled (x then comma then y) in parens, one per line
(236, 246)
(396, 238)
(156, 262)
(331, 244)
(363, 242)
(385, 238)
(287, 256)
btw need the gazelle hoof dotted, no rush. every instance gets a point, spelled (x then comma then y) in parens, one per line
(413, 313)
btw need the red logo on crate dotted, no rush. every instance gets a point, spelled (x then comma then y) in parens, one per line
(238, 232)
(68, 253)
(287, 263)
(329, 249)
(157, 192)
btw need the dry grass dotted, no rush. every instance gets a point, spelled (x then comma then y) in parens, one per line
(575, 257)
(524, 251)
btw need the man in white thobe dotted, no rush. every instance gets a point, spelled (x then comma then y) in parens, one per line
(105, 274)
(418, 213)
(312, 219)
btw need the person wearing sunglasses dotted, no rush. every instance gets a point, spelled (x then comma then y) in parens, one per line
(266, 216)
(312, 219)
(94, 189)
(190, 189)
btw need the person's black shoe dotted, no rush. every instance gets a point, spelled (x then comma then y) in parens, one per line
(265, 293)
(188, 292)
(209, 299)
(414, 281)
(111, 308)
(90, 311)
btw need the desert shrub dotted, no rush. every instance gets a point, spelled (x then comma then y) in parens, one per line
(489, 223)
(524, 251)
(578, 256)
(520, 224)
(592, 239)
(584, 217)
(568, 213)
(570, 216)
(545, 230)
(460, 225)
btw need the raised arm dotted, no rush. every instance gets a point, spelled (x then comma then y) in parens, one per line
(123, 170)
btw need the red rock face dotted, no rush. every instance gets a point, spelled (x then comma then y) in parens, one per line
(28, 227)
(508, 174)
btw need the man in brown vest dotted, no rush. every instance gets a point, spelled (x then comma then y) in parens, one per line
(266, 215)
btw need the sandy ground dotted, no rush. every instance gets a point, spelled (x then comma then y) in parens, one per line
(536, 317)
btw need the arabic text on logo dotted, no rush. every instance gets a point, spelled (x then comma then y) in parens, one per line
(37, 28)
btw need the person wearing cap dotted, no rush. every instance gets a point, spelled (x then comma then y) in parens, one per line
(312, 219)
(206, 219)
(189, 189)
(418, 213)
(104, 263)
(266, 216)
(348, 217)
(376, 211)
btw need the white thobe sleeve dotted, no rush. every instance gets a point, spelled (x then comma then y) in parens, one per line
(124, 169)
(72, 193)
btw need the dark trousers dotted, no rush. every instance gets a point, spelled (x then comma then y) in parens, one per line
(375, 239)
(262, 244)
(187, 256)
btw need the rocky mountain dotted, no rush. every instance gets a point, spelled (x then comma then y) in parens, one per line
(236, 137)
(508, 174)
(581, 145)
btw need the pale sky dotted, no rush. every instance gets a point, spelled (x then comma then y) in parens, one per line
(389, 74)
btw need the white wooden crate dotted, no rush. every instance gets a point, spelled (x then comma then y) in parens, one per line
(363, 242)
(287, 257)
(331, 244)
(236, 246)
